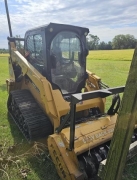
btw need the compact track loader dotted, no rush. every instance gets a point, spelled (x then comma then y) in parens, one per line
(46, 100)
(53, 96)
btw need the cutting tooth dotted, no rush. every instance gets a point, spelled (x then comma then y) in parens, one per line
(97, 158)
(90, 169)
(133, 138)
(103, 152)
(83, 168)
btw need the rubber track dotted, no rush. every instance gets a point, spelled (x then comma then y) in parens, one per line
(35, 124)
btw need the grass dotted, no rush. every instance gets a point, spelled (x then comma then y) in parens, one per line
(115, 55)
(39, 168)
(4, 55)
(111, 66)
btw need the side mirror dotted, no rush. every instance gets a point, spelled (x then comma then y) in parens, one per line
(53, 61)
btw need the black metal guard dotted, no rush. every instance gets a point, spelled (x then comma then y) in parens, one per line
(102, 93)
(75, 98)
(13, 39)
(62, 125)
(72, 126)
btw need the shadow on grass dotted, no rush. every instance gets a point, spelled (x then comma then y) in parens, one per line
(41, 167)
(3, 87)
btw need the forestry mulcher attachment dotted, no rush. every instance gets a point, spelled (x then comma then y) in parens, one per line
(53, 96)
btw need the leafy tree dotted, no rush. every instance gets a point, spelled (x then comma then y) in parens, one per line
(122, 41)
(103, 45)
(93, 41)
(3, 50)
(109, 45)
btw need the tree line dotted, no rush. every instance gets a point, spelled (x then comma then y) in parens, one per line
(3, 51)
(120, 41)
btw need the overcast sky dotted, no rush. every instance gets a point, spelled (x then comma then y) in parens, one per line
(104, 18)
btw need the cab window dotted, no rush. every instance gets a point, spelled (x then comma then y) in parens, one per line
(34, 51)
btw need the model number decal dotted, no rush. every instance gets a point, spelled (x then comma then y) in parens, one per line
(93, 137)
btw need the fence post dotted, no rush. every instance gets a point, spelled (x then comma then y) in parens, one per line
(124, 127)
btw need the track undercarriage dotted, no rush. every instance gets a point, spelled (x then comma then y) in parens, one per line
(28, 116)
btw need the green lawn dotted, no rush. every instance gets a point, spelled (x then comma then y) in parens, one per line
(36, 167)
(111, 66)
(114, 55)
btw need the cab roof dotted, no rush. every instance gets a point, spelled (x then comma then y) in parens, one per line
(58, 27)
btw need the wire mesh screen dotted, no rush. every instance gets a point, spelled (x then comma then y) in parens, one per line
(34, 49)
(30, 44)
(34, 46)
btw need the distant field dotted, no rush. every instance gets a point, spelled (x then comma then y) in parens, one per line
(111, 55)
(4, 55)
(111, 66)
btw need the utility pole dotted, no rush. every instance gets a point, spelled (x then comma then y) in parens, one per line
(124, 127)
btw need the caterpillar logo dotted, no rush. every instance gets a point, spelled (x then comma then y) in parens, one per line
(58, 163)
